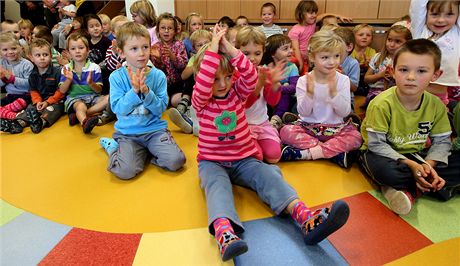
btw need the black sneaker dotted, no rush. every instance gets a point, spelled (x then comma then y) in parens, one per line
(345, 159)
(89, 124)
(73, 120)
(35, 120)
(290, 153)
(446, 193)
(289, 118)
(10, 126)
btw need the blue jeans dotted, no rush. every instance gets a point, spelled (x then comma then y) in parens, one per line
(265, 179)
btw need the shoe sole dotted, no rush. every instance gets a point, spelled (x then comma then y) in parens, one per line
(35, 124)
(235, 249)
(176, 117)
(399, 203)
(335, 220)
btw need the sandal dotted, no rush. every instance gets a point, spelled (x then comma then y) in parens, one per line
(109, 145)
(89, 123)
(324, 222)
(35, 120)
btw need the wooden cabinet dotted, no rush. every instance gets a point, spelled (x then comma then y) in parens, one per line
(184, 7)
(390, 9)
(368, 11)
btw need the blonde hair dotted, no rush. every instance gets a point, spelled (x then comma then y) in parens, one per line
(78, 35)
(249, 34)
(130, 30)
(188, 20)
(39, 42)
(362, 26)
(25, 23)
(104, 18)
(116, 20)
(225, 65)
(145, 10)
(398, 29)
(8, 37)
(200, 34)
(326, 41)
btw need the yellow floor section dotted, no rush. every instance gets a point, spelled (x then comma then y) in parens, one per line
(442, 253)
(60, 174)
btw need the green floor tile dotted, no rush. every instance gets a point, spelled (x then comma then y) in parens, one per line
(437, 220)
(8, 212)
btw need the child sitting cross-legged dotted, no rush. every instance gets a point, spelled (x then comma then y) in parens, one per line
(398, 124)
(226, 152)
(82, 79)
(138, 97)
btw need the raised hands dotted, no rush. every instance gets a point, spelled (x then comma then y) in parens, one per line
(5, 73)
(310, 85)
(217, 34)
(67, 73)
(137, 80)
(155, 53)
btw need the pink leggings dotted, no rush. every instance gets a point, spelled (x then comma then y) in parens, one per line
(346, 140)
(269, 149)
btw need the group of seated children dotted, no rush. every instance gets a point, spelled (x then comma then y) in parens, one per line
(253, 96)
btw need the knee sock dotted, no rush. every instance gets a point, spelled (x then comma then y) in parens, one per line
(300, 213)
(16, 106)
(7, 114)
(222, 225)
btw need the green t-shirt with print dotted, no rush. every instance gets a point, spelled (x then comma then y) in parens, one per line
(406, 131)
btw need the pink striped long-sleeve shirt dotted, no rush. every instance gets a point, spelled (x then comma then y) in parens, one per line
(224, 133)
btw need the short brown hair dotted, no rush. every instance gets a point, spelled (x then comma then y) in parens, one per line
(268, 4)
(420, 47)
(44, 32)
(39, 42)
(78, 35)
(346, 34)
(305, 6)
(130, 30)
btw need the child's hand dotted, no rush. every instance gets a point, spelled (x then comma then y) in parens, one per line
(217, 35)
(42, 105)
(167, 51)
(114, 46)
(332, 84)
(227, 47)
(66, 55)
(118, 65)
(276, 74)
(2, 72)
(420, 175)
(89, 79)
(137, 80)
(310, 85)
(68, 73)
(344, 19)
(389, 71)
(62, 60)
(433, 178)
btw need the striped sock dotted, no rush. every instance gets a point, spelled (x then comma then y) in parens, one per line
(222, 225)
(16, 106)
(7, 114)
(300, 213)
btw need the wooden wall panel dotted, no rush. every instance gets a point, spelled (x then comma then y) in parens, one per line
(390, 9)
(287, 8)
(359, 9)
(216, 9)
(251, 9)
(184, 7)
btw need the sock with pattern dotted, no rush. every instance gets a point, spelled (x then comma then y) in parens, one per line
(300, 213)
(230, 245)
(16, 106)
(7, 114)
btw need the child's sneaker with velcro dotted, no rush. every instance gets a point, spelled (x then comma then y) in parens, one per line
(399, 201)
(231, 246)
(290, 153)
(181, 120)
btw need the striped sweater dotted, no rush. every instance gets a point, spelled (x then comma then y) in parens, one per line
(224, 133)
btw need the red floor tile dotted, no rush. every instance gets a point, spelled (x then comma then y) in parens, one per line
(374, 235)
(84, 247)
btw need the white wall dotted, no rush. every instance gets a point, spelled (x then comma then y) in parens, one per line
(12, 10)
(159, 5)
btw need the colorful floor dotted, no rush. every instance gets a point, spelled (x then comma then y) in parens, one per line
(60, 206)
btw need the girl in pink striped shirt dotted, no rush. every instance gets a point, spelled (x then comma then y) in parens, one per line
(226, 152)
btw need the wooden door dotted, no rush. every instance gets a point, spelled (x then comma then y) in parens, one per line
(215, 9)
(184, 7)
(251, 9)
(287, 9)
(356, 9)
(390, 9)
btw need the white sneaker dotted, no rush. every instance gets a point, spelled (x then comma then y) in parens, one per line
(398, 200)
(180, 120)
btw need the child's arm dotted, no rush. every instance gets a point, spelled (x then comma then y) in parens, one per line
(20, 81)
(418, 12)
(339, 91)
(95, 85)
(370, 77)
(124, 91)
(304, 93)
(187, 73)
(156, 96)
(296, 48)
(66, 79)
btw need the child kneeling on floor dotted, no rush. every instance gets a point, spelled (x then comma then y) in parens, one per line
(398, 125)
(138, 97)
(226, 152)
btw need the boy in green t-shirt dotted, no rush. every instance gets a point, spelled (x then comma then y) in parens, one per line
(406, 145)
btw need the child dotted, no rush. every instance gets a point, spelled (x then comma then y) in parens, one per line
(300, 34)
(66, 12)
(112, 58)
(179, 115)
(169, 56)
(268, 13)
(76, 25)
(251, 42)
(14, 71)
(98, 43)
(231, 34)
(349, 65)
(226, 22)
(25, 28)
(379, 76)
(226, 150)
(82, 79)
(106, 26)
(138, 97)
(327, 20)
(193, 22)
(363, 53)
(181, 35)
(44, 32)
(323, 100)
(439, 21)
(143, 13)
(11, 26)
(398, 124)
(47, 100)
(241, 21)
(278, 51)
